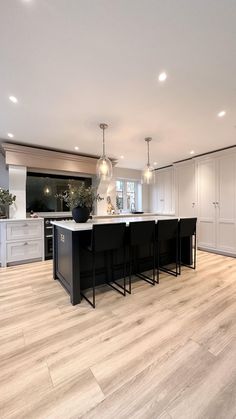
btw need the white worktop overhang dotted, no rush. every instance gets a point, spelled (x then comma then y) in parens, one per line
(73, 226)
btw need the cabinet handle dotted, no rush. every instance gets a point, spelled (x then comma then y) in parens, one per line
(193, 204)
(25, 225)
(25, 244)
(213, 203)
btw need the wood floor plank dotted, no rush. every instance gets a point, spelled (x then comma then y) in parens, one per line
(164, 352)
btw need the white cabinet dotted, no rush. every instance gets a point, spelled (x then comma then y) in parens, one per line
(216, 196)
(162, 192)
(185, 188)
(21, 240)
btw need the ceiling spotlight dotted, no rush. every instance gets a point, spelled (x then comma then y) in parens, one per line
(221, 114)
(192, 152)
(10, 135)
(76, 148)
(162, 76)
(155, 163)
(13, 99)
(121, 157)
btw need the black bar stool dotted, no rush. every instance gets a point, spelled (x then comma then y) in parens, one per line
(141, 233)
(167, 230)
(107, 238)
(187, 229)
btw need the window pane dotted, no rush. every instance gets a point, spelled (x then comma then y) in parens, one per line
(120, 194)
(119, 185)
(130, 200)
(130, 186)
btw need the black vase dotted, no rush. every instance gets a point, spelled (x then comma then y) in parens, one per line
(80, 214)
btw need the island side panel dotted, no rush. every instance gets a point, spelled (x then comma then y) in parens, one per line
(66, 260)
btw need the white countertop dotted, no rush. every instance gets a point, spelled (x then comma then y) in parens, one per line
(68, 214)
(73, 226)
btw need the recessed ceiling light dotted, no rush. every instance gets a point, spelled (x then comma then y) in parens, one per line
(121, 157)
(13, 99)
(192, 152)
(155, 162)
(221, 114)
(162, 76)
(10, 135)
(76, 148)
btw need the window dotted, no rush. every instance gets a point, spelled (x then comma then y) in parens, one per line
(126, 195)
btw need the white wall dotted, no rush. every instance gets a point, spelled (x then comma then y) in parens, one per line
(4, 182)
(17, 186)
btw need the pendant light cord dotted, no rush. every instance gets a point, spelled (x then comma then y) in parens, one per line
(103, 142)
(148, 154)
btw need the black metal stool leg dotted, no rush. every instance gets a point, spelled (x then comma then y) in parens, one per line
(154, 264)
(130, 267)
(180, 256)
(176, 256)
(195, 250)
(158, 262)
(94, 280)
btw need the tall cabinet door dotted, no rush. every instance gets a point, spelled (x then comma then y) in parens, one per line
(207, 203)
(225, 204)
(160, 187)
(186, 190)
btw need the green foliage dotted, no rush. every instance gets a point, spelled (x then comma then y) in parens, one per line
(6, 198)
(79, 196)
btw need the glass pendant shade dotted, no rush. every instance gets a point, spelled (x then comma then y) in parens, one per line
(104, 165)
(104, 168)
(148, 173)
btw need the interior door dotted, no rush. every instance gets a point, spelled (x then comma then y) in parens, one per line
(225, 204)
(207, 203)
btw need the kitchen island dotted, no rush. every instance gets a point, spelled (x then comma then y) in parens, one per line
(72, 262)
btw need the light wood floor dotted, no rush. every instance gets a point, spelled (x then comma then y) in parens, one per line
(165, 352)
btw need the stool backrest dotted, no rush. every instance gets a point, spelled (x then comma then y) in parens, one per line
(141, 232)
(187, 227)
(108, 237)
(166, 229)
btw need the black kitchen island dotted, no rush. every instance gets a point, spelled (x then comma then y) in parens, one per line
(72, 262)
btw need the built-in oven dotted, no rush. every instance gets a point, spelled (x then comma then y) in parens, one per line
(48, 235)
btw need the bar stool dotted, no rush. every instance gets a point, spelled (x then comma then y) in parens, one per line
(141, 233)
(167, 230)
(187, 229)
(107, 238)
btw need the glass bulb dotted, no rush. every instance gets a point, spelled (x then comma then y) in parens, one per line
(148, 175)
(104, 168)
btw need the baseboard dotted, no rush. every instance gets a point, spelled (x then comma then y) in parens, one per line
(216, 251)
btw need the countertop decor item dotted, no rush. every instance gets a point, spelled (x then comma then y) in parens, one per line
(6, 199)
(104, 165)
(80, 200)
(148, 172)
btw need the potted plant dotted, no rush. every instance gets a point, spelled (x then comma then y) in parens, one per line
(80, 200)
(6, 199)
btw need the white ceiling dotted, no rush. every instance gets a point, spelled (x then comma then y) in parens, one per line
(75, 63)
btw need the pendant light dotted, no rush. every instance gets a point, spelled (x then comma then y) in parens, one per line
(148, 171)
(104, 165)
